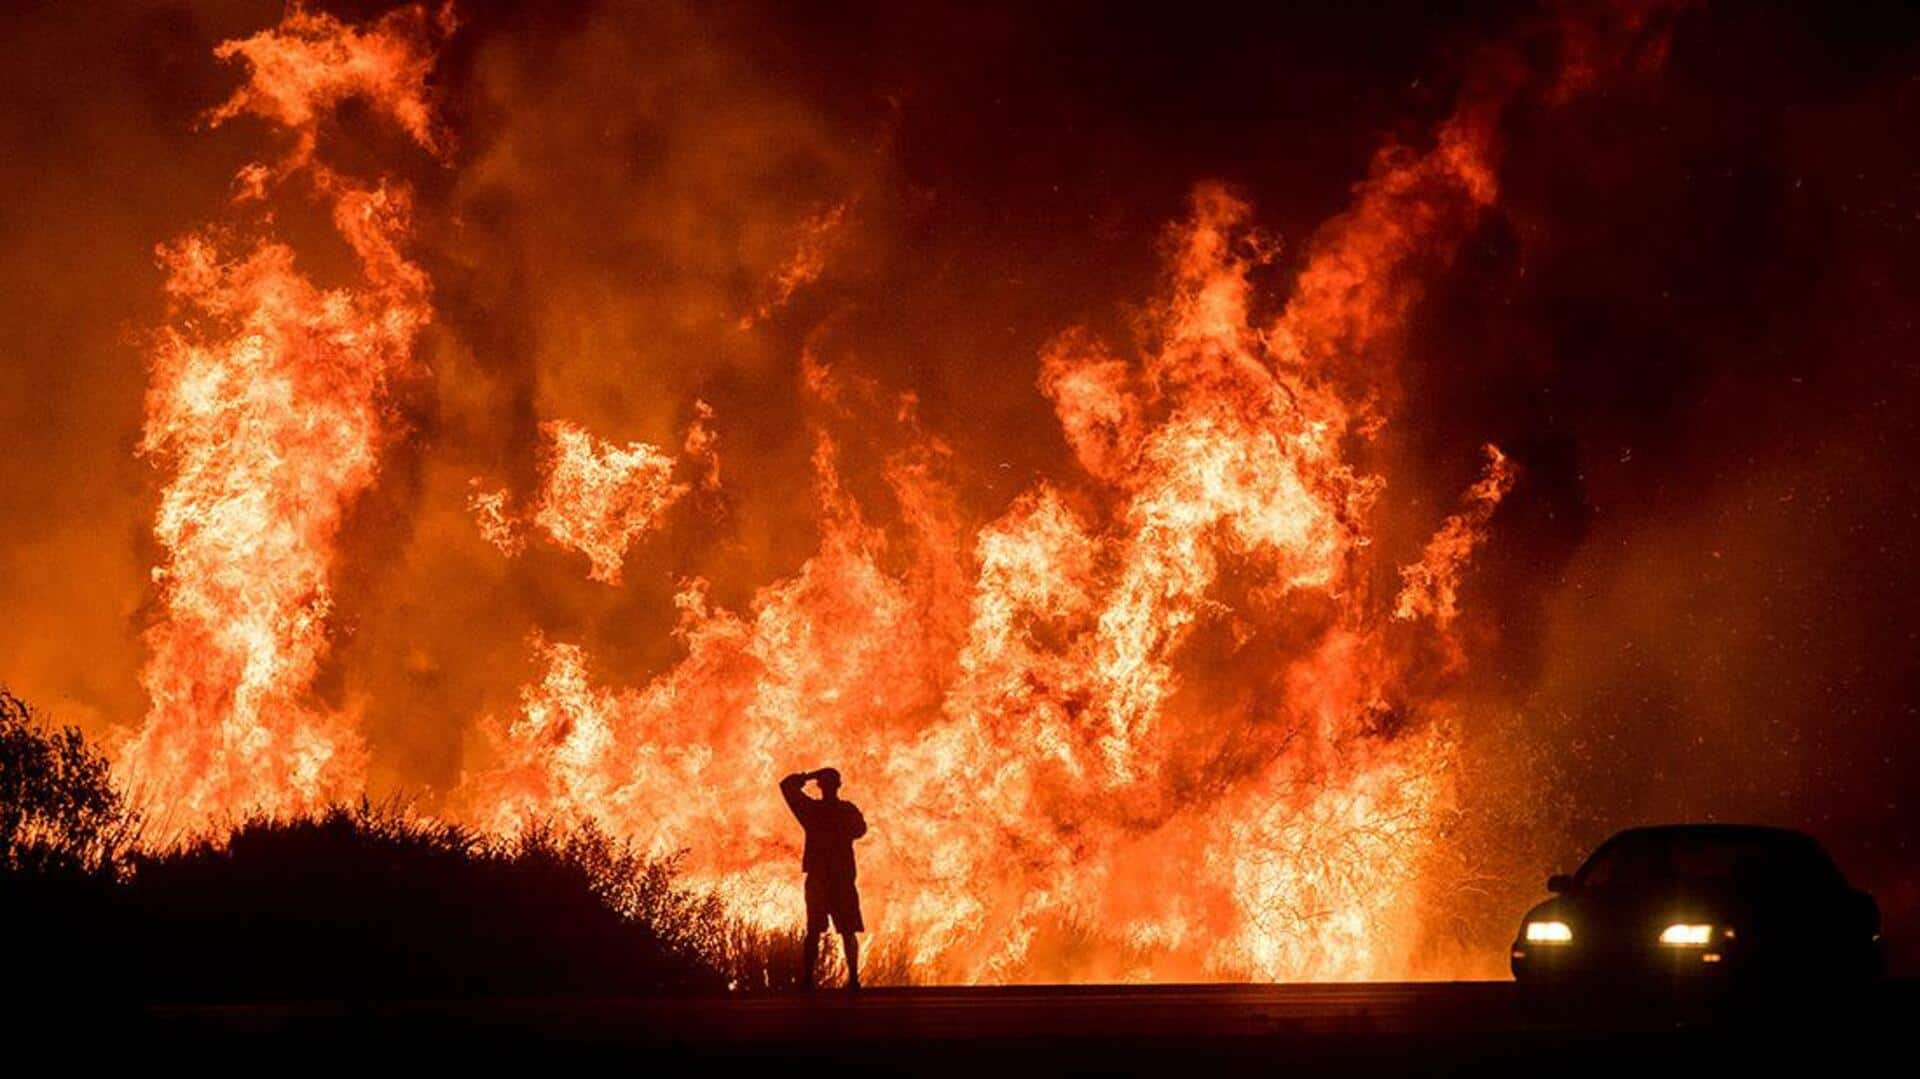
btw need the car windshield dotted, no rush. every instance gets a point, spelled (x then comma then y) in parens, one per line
(1646, 859)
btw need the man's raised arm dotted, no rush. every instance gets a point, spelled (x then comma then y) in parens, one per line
(797, 799)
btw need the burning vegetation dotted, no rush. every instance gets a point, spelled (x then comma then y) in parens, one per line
(1161, 715)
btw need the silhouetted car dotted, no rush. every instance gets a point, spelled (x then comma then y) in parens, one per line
(1701, 904)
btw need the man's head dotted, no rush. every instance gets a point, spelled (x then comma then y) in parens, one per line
(829, 780)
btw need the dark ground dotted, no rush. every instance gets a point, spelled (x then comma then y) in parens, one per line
(1431, 1028)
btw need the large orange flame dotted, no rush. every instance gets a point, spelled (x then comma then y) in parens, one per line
(268, 403)
(1029, 745)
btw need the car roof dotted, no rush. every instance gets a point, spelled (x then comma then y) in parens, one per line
(1712, 832)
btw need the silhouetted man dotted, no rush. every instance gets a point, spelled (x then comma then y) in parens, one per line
(831, 826)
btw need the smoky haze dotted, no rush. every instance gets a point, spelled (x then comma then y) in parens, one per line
(1688, 320)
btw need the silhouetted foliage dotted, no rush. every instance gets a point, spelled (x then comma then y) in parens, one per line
(60, 815)
(64, 837)
(369, 902)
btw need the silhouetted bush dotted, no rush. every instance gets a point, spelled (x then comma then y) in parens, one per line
(64, 836)
(369, 902)
(60, 816)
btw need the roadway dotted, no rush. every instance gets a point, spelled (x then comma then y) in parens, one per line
(1349, 1029)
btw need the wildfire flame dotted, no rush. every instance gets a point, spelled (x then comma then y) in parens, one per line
(598, 497)
(1153, 721)
(1028, 734)
(268, 403)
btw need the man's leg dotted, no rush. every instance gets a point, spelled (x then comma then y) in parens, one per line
(852, 944)
(810, 953)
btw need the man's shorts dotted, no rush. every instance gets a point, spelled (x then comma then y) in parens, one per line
(835, 899)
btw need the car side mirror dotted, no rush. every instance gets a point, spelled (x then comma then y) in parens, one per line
(1560, 884)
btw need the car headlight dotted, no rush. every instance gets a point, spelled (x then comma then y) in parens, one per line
(1686, 935)
(1549, 933)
